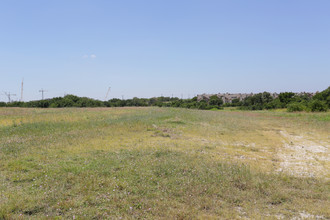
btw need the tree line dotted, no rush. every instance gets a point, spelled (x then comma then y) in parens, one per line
(291, 101)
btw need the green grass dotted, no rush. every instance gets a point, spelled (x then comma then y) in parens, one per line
(154, 163)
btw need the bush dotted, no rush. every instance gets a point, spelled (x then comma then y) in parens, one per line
(202, 105)
(295, 107)
(318, 106)
(323, 96)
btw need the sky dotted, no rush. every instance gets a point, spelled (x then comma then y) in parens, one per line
(147, 48)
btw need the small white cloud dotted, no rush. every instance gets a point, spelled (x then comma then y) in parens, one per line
(93, 56)
(85, 56)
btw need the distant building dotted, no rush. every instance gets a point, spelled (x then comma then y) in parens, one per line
(226, 97)
(229, 97)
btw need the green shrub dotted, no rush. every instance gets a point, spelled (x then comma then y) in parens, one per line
(295, 107)
(318, 106)
(323, 96)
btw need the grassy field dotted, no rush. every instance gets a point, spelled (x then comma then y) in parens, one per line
(161, 163)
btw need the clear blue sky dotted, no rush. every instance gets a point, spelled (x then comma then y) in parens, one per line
(146, 48)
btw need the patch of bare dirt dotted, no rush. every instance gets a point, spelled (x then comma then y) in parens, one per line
(302, 156)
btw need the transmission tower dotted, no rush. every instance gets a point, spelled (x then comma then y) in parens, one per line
(22, 90)
(9, 95)
(42, 93)
(106, 96)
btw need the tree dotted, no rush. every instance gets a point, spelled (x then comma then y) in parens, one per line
(318, 106)
(286, 97)
(215, 101)
(323, 96)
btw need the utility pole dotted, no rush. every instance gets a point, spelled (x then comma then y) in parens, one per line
(9, 95)
(42, 93)
(22, 90)
(106, 96)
